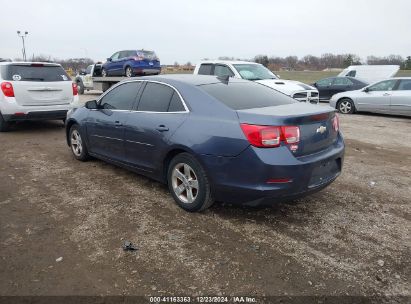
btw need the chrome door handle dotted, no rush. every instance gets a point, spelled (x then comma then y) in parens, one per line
(118, 124)
(386, 94)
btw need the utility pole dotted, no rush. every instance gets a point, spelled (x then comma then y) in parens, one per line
(22, 36)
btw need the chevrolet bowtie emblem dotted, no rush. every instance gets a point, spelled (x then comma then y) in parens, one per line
(321, 129)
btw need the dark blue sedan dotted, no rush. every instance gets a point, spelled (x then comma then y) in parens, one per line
(211, 138)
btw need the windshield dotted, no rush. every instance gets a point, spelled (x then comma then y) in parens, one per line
(147, 55)
(254, 72)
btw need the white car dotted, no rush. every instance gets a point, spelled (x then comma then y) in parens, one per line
(34, 91)
(391, 96)
(258, 73)
(370, 73)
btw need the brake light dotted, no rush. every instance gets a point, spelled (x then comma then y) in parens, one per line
(37, 65)
(75, 89)
(270, 136)
(336, 123)
(7, 89)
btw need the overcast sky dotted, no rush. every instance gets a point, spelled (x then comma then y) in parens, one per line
(189, 30)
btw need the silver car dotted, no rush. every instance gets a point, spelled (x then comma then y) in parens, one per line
(391, 96)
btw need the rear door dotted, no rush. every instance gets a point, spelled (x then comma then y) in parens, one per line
(324, 88)
(40, 84)
(105, 126)
(159, 113)
(401, 98)
(340, 84)
(378, 97)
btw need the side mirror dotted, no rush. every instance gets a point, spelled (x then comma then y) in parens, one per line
(92, 105)
(109, 59)
(83, 72)
(366, 90)
(314, 84)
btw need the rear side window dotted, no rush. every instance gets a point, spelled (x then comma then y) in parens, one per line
(239, 96)
(155, 98)
(176, 105)
(342, 81)
(205, 69)
(121, 97)
(352, 73)
(405, 85)
(34, 73)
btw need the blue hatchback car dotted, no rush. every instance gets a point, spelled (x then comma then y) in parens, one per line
(131, 63)
(211, 138)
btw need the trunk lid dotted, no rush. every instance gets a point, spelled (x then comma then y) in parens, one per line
(43, 93)
(315, 123)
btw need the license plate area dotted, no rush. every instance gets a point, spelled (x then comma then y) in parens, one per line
(325, 172)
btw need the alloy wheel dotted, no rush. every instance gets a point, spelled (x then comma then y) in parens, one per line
(345, 106)
(185, 183)
(76, 143)
(129, 72)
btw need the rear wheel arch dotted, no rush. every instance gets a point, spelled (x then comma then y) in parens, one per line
(167, 159)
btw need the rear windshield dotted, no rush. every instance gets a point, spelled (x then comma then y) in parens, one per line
(147, 55)
(34, 73)
(239, 96)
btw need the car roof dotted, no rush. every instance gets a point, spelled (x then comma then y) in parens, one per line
(196, 80)
(227, 62)
(29, 63)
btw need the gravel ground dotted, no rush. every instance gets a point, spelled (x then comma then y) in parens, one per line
(353, 238)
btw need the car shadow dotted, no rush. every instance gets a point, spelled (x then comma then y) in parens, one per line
(36, 126)
(370, 114)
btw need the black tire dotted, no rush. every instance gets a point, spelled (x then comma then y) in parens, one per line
(346, 106)
(80, 87)
(104, 73)
(81, 153)
(4, 125)
(128, 72)
(202, 195)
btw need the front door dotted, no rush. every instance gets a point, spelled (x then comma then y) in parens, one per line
(105, 126)
(377, 98)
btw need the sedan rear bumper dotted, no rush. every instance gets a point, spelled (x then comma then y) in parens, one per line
(250, 178)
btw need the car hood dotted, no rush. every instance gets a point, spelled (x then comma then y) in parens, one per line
(288, 87)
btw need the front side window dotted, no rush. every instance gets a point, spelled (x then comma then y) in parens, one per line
(342, 81)
(121, 97)
(205, 69)
(115, 56)
(254, 72)
(222, 70)
(351, 73)
(386, 85)
(405, 85)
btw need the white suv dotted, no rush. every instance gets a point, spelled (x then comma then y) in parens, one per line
(258, 73)
(34, 91)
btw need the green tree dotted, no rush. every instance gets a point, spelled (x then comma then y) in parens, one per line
(407, 64)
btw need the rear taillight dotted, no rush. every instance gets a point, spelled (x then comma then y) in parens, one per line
(75, 89)
(7, 89)
(270, 136)
(336, 122)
